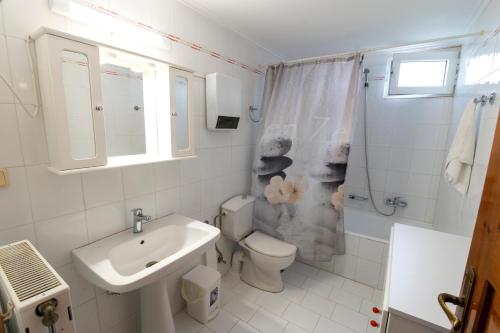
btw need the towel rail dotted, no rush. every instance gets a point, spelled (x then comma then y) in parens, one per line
(486, 99)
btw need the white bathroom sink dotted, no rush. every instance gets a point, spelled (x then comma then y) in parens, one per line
(126, 261)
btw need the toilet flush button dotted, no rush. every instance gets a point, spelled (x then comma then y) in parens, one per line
(4, 178)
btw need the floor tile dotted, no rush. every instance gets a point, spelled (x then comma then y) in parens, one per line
(317, 287)
(275, 303)
(304, 269)
(222, 323)
(242, 327)
(206, 330)
(241, 308)
(318, 304)
(246, 291)
(267, 322)
(350, 318)
(292, 328)
(227, 296)
(367, 309)
(293, 277)
(334, 280)
(378, 296)
(341, 296)
(229, 280)
(186, 324)
(328, 326)
(293, 293)
(301, 316)
(357, 288)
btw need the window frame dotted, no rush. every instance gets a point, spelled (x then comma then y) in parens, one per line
(451, 55)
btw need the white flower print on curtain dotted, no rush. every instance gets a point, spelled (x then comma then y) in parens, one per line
(301, 156)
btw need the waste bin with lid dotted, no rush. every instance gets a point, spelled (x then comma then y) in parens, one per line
(201, 290)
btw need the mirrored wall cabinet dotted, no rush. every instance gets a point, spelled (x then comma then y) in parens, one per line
(106, 107)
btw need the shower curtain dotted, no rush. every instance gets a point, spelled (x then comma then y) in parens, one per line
(301, 158)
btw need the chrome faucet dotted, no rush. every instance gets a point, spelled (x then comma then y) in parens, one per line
(139, 220)
(396, 202)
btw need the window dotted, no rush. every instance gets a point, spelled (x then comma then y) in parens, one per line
(422, 74)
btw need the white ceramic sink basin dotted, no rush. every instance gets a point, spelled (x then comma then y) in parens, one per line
(126, 261)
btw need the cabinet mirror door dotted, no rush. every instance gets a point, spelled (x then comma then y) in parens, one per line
(72, 104)
(181, 121)
(78, 103)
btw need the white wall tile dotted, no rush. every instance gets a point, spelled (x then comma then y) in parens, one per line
(113, 309)
(20, 22)
(167, 175)
(345, 265)
(368, 272)
(53, 195)
(10, 149)
(370, 249)
(22, 75)
(58, 236)
(102, 187)
(85, 317)
(422, 161)
(106, 220)
(5, 94)
(138, 179)
(32, 133)
(16, 234)
(167, 202)
(214, 162)
(14, 200)
(82, 291)
(191, 198)
(191, 169)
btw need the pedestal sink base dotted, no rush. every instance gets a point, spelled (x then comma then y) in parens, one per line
(156, 314)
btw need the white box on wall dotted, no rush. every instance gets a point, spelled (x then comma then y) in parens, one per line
(223, 101)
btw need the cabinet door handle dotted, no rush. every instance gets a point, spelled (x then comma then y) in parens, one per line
(99, 108)
(174, 114)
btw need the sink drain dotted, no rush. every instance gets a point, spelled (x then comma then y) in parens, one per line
(151, 263)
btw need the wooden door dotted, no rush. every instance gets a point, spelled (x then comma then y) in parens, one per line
(482, 315)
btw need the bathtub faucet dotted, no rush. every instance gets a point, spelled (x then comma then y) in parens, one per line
(396, 202)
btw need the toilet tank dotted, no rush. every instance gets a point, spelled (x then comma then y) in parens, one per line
(237, 216)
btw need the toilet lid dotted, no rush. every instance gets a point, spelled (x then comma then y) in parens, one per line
(265, 244)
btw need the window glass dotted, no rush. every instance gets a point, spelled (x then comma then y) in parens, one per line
(422, 73)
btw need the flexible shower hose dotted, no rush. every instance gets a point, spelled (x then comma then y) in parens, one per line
(365, 125)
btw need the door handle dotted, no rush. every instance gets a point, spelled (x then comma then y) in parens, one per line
(463, 302)
(459, 301)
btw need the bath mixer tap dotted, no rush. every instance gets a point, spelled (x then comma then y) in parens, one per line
(139, 219)
(396, 202)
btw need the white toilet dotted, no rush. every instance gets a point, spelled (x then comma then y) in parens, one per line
(263, 256)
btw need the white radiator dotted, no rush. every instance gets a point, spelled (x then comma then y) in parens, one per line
(40, 297)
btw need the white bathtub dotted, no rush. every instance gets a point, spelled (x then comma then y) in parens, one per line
(373, 225)
(367, 224)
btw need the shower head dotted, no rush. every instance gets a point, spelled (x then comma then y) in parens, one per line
(366, 71)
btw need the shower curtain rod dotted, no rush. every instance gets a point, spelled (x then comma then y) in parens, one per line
(377, 49)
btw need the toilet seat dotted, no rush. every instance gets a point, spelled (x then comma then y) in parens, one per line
(270, 246)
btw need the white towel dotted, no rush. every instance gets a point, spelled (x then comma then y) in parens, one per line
(461, 155)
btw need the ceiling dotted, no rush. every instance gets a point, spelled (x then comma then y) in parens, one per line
(293, 29)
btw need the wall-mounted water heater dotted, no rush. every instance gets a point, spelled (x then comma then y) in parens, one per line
(223, 101)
